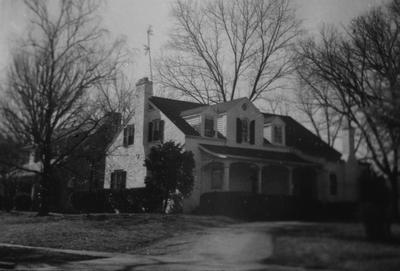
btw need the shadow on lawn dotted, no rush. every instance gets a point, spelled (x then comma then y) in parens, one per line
(35, 256)
(341, 231)
(334, 246)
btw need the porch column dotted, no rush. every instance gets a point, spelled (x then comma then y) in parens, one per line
(291, 185)
(259, 180)
(226, 176)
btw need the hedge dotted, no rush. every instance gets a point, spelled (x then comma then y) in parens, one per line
(107, 200)
(253, 206)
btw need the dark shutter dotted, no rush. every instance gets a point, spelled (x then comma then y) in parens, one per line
(131, 134)
(150, 134)
(125, 141)
(112, 183)
(238, 130)
(252, 131)
(123, 180)
(161, 130)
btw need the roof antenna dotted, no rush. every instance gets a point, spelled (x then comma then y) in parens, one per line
(148, 51)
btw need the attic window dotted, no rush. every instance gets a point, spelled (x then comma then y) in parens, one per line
(278, 134)
(156, 130)
(129, 135)
(244, 107)
(209, 127)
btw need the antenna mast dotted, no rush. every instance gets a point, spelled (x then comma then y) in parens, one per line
(148, 50)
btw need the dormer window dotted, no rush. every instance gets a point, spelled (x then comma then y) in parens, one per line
(274, 132)
(209, 127)
(278, 134)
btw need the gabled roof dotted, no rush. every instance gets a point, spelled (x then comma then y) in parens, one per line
(218, 108)
(297, 135)
(301, 138)
(173, 109)
(280, 157)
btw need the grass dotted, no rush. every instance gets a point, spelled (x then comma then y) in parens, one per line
(108, 233)
(333, 246)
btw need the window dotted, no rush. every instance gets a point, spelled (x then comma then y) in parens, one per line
(245, 131)
(129, 135)
(118, 180)
(209, 127)
(216, 178)
(333, 184)
(278, 134)
(156, 130)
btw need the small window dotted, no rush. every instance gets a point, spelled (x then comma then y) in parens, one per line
(209, 127)
(333, 184)
(118, 180)
(129, 135)
(245, 130)
(156, 130)
(278, 134)
(216, 178)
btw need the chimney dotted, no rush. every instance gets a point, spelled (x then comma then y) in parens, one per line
(144, 90)
(348, 149)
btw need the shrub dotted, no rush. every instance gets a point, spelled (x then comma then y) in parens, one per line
(375, 206)
(171, 170)
(23, 203)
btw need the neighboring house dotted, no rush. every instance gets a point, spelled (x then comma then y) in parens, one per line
(83, 168)
(236, 148)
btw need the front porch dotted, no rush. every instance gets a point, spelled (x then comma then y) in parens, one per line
(268, 178)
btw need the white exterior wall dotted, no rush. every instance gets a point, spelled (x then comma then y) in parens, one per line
(131, 158)
(128, 158)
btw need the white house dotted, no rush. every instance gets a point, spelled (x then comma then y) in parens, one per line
(236, 148)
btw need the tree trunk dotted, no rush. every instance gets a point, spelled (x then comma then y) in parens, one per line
(395, 196)
(44, 198)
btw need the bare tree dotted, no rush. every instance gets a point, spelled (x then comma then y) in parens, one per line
(362, 70)
(221, 50)
(325, 122)
(53, 77)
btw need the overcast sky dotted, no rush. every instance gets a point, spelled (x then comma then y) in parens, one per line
(131, 18)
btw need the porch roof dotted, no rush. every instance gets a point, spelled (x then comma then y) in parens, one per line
(255, 154)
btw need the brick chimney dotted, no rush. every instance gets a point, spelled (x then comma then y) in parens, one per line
(348, 147)
(144, 90)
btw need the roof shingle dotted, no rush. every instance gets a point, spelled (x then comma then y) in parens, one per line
(301, 138)
(255, 153)
(173, 109)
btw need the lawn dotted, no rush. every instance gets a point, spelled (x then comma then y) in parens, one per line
(108, 233)
(333, 246)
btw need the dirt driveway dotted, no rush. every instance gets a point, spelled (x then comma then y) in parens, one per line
(236, 247)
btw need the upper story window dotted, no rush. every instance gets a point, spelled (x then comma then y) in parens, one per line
(156, 130)
(278, 134)
(209, 127)
(129, 135)
(333, 184)
(245, 131)
(118, 180)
